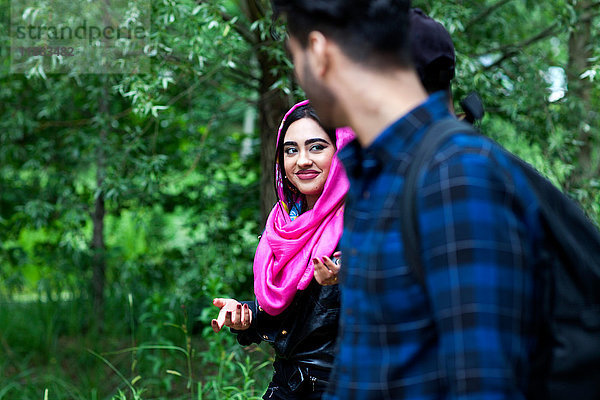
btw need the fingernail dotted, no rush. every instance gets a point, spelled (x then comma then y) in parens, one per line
(239, 306)
(315, 260)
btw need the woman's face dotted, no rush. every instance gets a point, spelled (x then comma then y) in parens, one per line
(307, 155)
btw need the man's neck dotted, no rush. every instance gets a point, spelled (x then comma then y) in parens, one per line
(373, 100)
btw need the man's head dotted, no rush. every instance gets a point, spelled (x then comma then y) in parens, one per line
(432, 51)
(369, 33)
(372, 32)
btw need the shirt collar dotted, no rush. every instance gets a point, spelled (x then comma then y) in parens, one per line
(391, 144)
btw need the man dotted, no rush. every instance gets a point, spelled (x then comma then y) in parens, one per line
(471, 331)
(432, 52)
(434, 59)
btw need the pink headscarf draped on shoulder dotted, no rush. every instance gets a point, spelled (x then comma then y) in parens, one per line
(283, 260)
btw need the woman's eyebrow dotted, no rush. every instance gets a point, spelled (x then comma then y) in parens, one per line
(315, 140)
(290, 144)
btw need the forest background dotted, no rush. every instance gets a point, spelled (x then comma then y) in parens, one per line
(129, 201)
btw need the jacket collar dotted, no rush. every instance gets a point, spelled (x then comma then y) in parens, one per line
(395, 142)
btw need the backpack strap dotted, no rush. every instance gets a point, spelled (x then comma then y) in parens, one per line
(565, 364)
(438, 133)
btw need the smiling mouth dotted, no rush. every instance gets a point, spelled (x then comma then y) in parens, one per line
(307, 175)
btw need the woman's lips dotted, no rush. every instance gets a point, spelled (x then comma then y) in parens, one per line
(307, 175)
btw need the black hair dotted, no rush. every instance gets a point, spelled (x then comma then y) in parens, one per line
(371, 32)
(290, 193)
(437, 75)
(432, 50)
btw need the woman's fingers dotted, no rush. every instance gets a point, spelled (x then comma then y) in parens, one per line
(324, 275)
(232, 314)
(236, 317)
(217, 324)
(320, 271)
(246, 318)
(248, 315)
(333, 266)
(243, 317)
(219, 302)
(228, 318)
(333, 269)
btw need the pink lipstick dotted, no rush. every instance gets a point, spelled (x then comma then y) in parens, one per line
(307, 175)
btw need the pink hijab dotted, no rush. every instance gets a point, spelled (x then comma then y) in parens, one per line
(283, 260)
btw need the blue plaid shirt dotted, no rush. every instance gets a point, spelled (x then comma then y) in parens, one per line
(471, 334)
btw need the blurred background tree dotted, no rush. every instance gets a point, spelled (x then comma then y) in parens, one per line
(536, 67)
(127, 202)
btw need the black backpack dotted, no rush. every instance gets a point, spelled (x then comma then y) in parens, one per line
(569, 365)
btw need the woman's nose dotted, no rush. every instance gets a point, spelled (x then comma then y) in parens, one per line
(304, 159)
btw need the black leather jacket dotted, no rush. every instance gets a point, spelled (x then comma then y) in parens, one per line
(303, 336)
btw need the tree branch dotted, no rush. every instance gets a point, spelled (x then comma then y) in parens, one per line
(77, 122)
(485, 13)
(591, 5)
(240, 28)
(243, 77)
(238, 25)
(253, 9)
(589, 17)
(512, 49)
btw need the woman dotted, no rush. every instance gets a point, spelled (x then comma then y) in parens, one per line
(292, 312)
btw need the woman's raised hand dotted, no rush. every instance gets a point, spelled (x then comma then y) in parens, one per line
(326, 270)
(233, 314)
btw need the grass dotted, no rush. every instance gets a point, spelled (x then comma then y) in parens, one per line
(48, 351)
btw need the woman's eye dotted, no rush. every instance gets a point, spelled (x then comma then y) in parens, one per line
(317, 147)
(290, 150)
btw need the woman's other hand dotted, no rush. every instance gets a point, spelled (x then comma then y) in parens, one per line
(326, 270)
(233, 314)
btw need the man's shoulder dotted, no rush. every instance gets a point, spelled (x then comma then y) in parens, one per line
(470, 159)
(476, 166)
(471, 148)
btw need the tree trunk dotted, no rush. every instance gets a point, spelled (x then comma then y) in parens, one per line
(98, 245)
(580, 53)
(98, 250)
(272, 105)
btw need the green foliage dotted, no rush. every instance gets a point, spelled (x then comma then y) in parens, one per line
(514, 54)
(179, 175)
(180, 185)
(163, 358)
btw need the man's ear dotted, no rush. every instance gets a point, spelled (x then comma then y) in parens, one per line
(319, 51)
